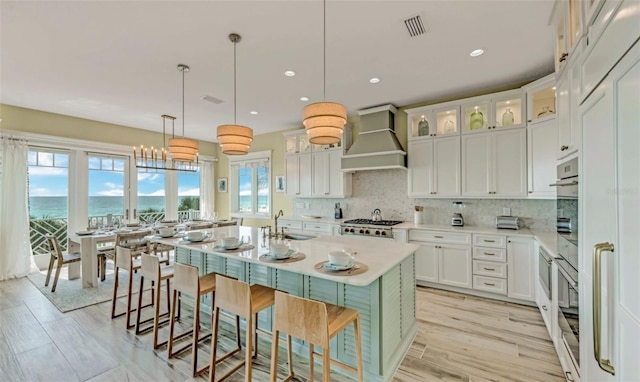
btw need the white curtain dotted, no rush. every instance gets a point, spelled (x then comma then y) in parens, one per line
(15, 247)
(207, 189)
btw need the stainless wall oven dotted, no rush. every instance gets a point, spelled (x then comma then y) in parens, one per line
(567, 231)
(544, 271)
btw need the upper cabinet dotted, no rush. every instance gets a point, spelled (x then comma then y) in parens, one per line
(496, 111)
(567, 19)
(315, 170)
(541, 99)
(429, 122)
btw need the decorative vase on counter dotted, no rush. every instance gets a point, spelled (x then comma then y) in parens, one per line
(476, 121)
(423, 127)
(507, 118)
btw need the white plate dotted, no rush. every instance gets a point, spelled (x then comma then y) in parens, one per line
(166, 237)
(204, 237)
(85, 233)
(287, 255)
(336, 267)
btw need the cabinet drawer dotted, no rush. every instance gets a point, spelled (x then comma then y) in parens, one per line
(290, 224)
(491, 254)
(493, 241)
(491, 269)
(490, 284)
(316, 227)
(440, 237)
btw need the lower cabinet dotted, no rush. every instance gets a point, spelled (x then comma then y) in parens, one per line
(427, 263)
(439, 260)
(454, 265)
(521, 268)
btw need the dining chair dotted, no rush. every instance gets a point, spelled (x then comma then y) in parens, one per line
(60, 257)
(134, 240)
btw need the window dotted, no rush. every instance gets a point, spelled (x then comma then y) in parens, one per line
(250, 184)
(106, 190)
(189, 194)
(151, 196)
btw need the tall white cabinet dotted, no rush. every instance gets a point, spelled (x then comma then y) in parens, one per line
(609, 217)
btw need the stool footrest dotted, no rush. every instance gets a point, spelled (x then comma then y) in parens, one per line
(338, 363)
(150, 327)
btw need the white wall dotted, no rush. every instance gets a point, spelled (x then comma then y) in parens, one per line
(387, 190)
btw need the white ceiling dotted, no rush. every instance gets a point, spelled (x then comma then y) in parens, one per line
(115, 61)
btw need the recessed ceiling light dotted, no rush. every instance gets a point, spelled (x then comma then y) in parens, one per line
(304, 99)
(253, 112)
(476, 52)
(289, 73)
(553, 88)
(374, 80)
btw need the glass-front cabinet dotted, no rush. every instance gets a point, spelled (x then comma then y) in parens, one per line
(432, 122)
(541, 99)
(498, 111)
(568, 21)
(297, 143)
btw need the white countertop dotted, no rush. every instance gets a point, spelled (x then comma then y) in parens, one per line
(466, 229)
(379, 255)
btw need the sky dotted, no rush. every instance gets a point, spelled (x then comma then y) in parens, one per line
(48, 176)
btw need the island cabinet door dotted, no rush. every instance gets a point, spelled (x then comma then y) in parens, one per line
(186, 256)
(365, 300)
(214, 264)
(455, 265)
(326, 291)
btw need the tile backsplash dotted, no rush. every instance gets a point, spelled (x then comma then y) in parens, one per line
(387, 190)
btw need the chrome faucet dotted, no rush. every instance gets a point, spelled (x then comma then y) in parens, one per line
(275, 217)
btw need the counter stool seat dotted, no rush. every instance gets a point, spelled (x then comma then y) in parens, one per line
(152, 270)
(246, 301)
(125, 261)
(316, 323)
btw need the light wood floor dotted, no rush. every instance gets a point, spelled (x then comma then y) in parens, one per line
(460, 338)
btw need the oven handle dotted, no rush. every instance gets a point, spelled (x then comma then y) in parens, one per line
(569, 279)
(604, 364)
(558, 184)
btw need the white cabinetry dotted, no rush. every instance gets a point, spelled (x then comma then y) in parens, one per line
(489, 266)
(521, 268)
(315, 170)
(609, 225)
(443, 257)
(494, 164)
(434, 167)
(495, 111)
(542, 143)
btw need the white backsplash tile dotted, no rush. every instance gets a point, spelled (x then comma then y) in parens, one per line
(387, 190)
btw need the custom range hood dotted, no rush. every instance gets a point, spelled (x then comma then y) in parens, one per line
(376, 146)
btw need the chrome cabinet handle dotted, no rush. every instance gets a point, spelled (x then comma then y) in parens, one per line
(489, 269)
(604, 364)
(438, 236)
(489, 254)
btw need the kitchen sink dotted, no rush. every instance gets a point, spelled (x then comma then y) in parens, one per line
(298, 236)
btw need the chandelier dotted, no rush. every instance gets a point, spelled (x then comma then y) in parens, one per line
(324, 121)
(234, 139)
(149, 158)
(183, 149)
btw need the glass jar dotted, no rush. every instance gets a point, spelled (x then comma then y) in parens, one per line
(423, 127)
(476, 122)
(507, 118)
(449, 126)
(545, 111)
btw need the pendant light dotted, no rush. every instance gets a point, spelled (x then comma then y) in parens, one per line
(183, 149)
(234, 139)
(324, 121)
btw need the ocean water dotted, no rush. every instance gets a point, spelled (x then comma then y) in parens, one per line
(57, 206)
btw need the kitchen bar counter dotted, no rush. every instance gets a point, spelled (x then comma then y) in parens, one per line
(384, 295)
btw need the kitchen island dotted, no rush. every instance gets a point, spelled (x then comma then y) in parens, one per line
(384, 294)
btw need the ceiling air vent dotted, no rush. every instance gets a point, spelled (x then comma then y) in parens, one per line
(415, 26)
(211, 99)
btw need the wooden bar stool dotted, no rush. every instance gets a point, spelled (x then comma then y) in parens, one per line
(125, 261)
(60, 257)
(152, 270)
(314, 322)
(239, 298)
(187, 281)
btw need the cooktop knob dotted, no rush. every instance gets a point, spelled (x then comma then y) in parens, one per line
(361, 231)
(377, 232)
(367, 232)
(384, 233)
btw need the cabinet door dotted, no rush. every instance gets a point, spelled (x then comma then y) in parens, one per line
(521, 269)
(509, 162)
(320, 184)
(292, 173)
(541, 143)
(304, 164)
(420, 167)
(427, 263)
(509, 110)
(339, 182)
(476, 164)
(446, 166)
(476, 115)
(564, 118)
(454, 264)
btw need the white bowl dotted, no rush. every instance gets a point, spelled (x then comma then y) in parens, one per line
(166, 231)
(279, 249)
(339, 258)
(230, 242)
(195, 235)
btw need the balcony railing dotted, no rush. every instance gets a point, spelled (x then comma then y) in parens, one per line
(59, 227)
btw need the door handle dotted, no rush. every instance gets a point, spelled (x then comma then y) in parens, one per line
(135, 213)
(126, 213)
(604, 364)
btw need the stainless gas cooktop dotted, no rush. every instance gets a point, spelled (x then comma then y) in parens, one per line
(368, 227)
